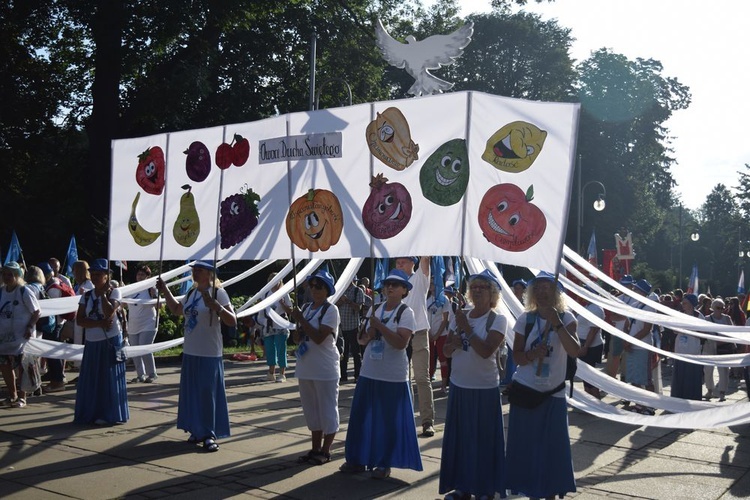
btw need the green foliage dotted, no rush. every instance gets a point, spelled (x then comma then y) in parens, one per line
(80, 73)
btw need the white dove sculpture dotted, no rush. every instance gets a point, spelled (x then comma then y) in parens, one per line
(419, 57)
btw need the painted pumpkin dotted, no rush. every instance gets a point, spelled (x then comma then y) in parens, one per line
(509, 220)
(514, 147)
(315, 220)
(445, 174)
(387, 210)
(389, 139)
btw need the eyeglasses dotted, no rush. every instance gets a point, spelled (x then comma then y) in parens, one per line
(479, 287)
(317, 286)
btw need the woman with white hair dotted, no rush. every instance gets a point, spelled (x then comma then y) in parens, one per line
(473, 459)
(19, 312)
(713, 347)
(538, 457)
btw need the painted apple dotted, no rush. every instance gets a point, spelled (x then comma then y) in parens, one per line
(514, 147)
(387, 210)
(315, 220)
(509, 220)
(445, 174)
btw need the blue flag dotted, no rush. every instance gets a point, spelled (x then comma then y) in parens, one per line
(380, 273)
(741, 283)
(693, 283)
(14, 250)
(188, 283)
(70, 257)
(437, 268)
(457, 273)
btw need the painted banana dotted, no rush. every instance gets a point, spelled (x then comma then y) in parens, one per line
(140, 235)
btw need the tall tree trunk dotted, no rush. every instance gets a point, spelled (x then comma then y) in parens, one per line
(102, 127)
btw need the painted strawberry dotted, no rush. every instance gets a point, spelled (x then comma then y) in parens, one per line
(239, 216)
(150, 172)
(198, 162)
(241, 150)
(224, 156)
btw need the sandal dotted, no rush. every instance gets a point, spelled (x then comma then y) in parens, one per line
(380, 472)
(210, 445)
(348, 468)
(457, 495)
(192, 439)
(303, 459)
(320, 458)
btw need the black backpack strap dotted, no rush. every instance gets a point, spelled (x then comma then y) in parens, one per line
(400, 311)
(530, 320)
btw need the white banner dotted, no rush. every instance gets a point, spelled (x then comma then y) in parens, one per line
(463, 173)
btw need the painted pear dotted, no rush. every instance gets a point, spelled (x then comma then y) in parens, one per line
(187, 227)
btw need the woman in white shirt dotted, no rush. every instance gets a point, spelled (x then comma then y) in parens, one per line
(317, 368)
(101, 394)
(202, 406)
(538, 458)
(687, 378)
(381, 431)
(142, 328)
(19, 312)
(473, 458)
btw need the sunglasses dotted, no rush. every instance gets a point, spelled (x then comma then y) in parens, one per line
(392, 283)
(317, 285)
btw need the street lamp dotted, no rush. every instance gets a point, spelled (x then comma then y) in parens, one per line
(599, 204)
(694, 236)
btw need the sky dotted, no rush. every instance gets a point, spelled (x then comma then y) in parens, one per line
(704, 45)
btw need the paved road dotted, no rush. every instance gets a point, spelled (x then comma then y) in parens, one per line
(43, 455)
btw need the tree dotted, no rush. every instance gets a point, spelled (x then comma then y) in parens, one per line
(517, 56)
(624, 143)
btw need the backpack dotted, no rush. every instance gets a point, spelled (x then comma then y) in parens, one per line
(45, 324)
(572, 363)
(65, 291)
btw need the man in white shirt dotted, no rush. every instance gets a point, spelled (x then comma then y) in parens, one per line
(419, 277)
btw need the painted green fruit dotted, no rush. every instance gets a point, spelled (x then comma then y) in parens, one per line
(187, 227)
(445, 174)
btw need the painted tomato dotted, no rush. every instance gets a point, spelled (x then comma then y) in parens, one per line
(315, 220)
(150, 172)
(445, 174)
(509, 220)
(387, 210)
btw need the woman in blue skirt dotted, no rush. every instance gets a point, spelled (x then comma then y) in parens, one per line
(473, 457)
(381, 431)
(202, 409)
(101, 394)
(538, 459)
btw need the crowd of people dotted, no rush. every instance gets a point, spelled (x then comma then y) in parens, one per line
(400, 335)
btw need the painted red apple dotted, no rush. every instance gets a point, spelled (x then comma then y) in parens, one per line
(240, 150)
(509, 220)
(387, 210)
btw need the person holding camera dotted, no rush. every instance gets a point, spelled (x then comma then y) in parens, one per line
(101, 392)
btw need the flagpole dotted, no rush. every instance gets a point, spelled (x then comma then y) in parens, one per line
(218, 220)
(163, 224)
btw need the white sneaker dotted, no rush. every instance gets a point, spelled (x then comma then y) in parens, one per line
(270, 377)
(281, 378)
